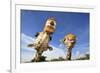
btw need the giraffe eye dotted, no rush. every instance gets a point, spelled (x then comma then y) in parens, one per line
(64, 40)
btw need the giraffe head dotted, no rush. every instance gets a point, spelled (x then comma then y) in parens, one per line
(70, 40)
(50, 26)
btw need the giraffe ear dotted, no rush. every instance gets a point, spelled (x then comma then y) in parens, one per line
(36, 35)
(30, 45)
(64, 39)
(50, 38)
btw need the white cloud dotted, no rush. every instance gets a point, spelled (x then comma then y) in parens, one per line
(78, 54)
(25, 40)
(55, 53)
(27, 56)
(26, 52)
(61, 45)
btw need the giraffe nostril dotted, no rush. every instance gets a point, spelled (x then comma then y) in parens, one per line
(52, 23)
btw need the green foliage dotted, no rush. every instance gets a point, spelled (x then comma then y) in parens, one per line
(59, 59)
(86, 57)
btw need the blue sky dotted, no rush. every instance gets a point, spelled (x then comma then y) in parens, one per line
(67, 22)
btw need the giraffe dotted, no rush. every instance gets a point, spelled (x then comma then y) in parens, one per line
(42, 40)
(69, 40)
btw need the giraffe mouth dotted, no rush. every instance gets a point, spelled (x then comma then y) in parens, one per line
(50, 29)
(70, 40)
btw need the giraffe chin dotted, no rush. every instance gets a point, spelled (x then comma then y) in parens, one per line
(49, 29)
(70, 45)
